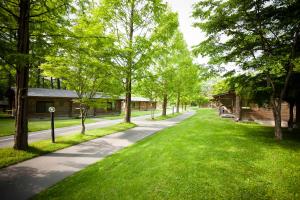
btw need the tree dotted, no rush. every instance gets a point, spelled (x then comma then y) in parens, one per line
(83, 62)
(260, 36)
(131, 23)
(20, 19)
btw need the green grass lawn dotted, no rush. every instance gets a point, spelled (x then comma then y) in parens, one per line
(7, 125)
(165, 117)
(134, 113)
(10, 156)
(204, 157)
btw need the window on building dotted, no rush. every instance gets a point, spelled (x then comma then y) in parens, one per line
(43, 106)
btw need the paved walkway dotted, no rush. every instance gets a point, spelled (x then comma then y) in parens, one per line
(23, 180)
(8, 141)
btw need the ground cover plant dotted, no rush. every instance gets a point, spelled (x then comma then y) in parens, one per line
(7, 125)
(204, 157)
(9, 156)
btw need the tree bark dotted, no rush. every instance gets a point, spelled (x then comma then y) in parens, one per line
(164, 106)
(276, 107)
(51, 83)
(38, 78)
(128, 102)
(178, 102)
(58, 83)
(291, 115)
(129, 70)
(238, 108)
(22, 76)
(298, 114)
(83, 113)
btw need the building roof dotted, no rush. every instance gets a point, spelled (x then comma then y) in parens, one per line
(43, 92)
(57, 93)
(139, 99)
(224, 94)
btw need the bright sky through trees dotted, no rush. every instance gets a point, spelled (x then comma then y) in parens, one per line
(193, 36)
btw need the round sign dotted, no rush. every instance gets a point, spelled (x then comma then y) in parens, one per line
(51, 109)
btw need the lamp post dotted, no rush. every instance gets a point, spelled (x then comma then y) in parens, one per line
(52, 110)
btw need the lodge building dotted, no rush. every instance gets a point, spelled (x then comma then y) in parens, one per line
(64, 101)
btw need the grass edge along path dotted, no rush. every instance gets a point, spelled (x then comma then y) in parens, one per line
(9, 156)
(203, 157)
(159, 118)
(7, 124)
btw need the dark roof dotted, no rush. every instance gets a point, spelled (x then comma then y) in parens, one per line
(224, 94)
(56, 93)
(42, 92)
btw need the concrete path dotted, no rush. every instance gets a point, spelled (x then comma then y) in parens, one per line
(23, 180)
(8, 141)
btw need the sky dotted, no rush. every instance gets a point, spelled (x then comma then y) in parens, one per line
(193, 36)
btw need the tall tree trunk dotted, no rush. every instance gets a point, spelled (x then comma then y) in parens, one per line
(238, 108)
(164, 106)
(128, 101)
(298, 114)
(22, 76)
(276, 107)
(83, 113)
(58, 83)
(129, 71)
(43, 82)
(178, 102)
(51, 83)
(38, 78)
(291, 115)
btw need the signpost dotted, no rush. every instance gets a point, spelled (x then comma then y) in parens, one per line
(52, 110)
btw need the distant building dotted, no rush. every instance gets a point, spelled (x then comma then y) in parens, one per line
(64, 101)
(252, 111)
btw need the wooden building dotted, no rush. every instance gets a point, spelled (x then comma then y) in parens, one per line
(64, 101)
(234, 105)
(40, 99)
(141, 103)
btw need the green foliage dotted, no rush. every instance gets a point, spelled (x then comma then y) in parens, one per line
(204, 157)
(259, 37)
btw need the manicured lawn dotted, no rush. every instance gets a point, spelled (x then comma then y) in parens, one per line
(134, 113)
(165, 117)
(204, 157)
(10, 156)
(7, 125)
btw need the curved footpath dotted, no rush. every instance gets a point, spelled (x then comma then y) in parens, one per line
(25, 179)
(8, 141)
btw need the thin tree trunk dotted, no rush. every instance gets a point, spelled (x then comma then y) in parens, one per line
(178, 102)
(83, 113)
(38, 78)
(43, 82)
(129, 72)
(22, 76)
(58, 83)
(291, 115)
(164, 106)
(51, 83)
(298, 113)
